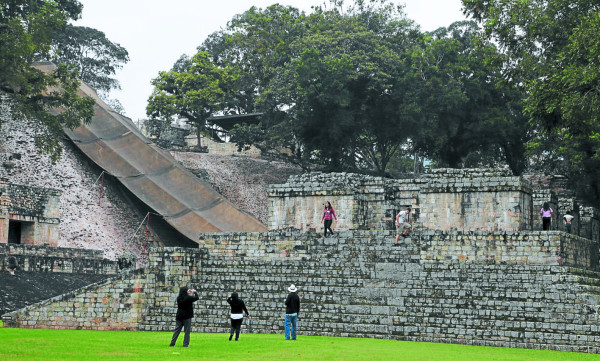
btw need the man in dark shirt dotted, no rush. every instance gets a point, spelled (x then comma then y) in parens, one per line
(292, 309)
(185, 312)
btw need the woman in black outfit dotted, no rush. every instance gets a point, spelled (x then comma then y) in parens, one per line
(237, 315)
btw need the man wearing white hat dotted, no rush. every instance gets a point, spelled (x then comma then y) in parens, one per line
(292, 308)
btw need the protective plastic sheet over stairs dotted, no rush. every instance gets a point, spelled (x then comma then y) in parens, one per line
(186, 202)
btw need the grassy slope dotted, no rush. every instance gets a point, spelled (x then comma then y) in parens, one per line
(25, 344)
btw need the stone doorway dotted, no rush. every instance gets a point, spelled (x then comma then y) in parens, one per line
(20, 232)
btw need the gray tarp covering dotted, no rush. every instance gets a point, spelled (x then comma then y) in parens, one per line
(187, 203)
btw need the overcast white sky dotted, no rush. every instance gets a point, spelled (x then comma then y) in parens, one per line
(157, 32)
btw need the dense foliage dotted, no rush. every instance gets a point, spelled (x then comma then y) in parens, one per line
(471, 116)
(194, 89)
(93, 55)
(357, 86)
(552, 49)
(32, 30)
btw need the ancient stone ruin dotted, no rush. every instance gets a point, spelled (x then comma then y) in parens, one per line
(477, 269)
(445, 199)
(29, 215)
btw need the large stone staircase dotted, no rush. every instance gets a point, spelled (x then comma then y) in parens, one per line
(359, 285)
(356, 284)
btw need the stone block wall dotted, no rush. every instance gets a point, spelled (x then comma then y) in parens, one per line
(359, 286)
(359, 201)
(355, 285)
(480, 247)
(505, 205)
(221, 148)
(446, 199)
(54, 259)
(567, 203)
(36, 209)
(544, 248)
(589, 223)
(115, 304)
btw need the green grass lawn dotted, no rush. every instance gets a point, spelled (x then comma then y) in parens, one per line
(27, 344)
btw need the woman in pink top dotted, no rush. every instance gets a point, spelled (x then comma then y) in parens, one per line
(546, 213)
(328, 215)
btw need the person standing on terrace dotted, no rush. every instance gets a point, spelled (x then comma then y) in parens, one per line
(546, 213)
(328, 216)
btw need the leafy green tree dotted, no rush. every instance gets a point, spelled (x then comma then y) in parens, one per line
(194, 90)
(48, 99)
(552, 49)
(473, 116)
(566, 106)
(254, 44)
(323, 111)
(347, 89)
(353, 83)
(94, 56)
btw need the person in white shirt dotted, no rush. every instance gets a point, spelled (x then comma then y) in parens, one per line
(238, 308)
(402, 223)
(568, 218)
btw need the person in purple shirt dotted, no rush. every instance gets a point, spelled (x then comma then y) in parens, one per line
(547, 214)
(328, 215)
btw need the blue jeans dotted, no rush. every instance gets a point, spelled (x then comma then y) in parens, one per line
(290, 326)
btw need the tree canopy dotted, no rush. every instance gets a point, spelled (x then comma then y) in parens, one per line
(552, 51)
(472, 115)
(354, 85)
(26, 28)
(194, 90)
(33, 30)
(94, 56)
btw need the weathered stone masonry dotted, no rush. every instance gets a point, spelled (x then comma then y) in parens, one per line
(446, 199)
(440, 287)
(55, 259)
(33, 211)
(43, 272)
(482, 278)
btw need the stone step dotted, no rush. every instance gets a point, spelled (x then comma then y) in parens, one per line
(331, 261)
(365, 315)
(383, 253)
(584, 280)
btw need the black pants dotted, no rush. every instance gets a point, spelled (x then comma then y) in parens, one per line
(546, 221)
(236, 325)
(187, 327)
(327, 225)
